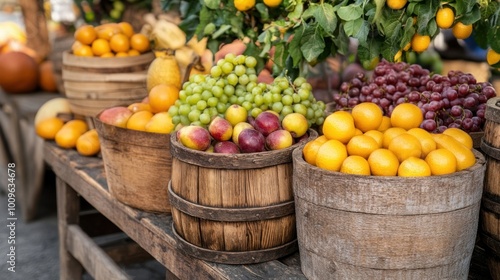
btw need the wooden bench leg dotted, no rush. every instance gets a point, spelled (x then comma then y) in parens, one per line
(68, 208)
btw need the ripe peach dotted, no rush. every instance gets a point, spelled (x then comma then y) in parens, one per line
(226, 147)
(194, 137)
(279, 139)
(251, 141)
(220, 129)
(296, 124)
(238, 128)
(267, 122)
(117, 116)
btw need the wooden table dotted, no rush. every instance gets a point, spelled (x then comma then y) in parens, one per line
(85, 177)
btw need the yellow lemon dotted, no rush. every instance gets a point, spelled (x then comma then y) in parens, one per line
(414, 167)
(460, 135)
(425, 138)
(465, 157)
(441, 162)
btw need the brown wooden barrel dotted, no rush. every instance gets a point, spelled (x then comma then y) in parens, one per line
(235, 209)
(93, 84)
(59, 46)
(137, 164)
(386, 227)
(490, 209)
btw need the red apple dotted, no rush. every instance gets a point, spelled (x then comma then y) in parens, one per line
(117, 116)
(226, 147)
(279, 139)
(194, 137)
(251, 141)
(267, 122)
(220, 129)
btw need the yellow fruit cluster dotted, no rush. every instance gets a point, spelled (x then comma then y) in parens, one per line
(364, 142)
(151, 115)
(73, 134)
(109, 40)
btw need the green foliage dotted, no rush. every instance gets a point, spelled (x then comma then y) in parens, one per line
(306, 32)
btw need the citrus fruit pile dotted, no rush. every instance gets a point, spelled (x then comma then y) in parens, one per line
(72, 134)
(233, 80)
(109, 40)
(452, 100)
(363, 141)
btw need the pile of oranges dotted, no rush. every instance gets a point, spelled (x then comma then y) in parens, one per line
(72, 134)
(365, 142)
(109, 40)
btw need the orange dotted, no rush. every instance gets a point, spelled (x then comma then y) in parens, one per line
(389, 134)
(121, 54)
(461, 31)
(48, 128)
(88, 143)
(405, 146)
(407, 116)
(383, 163)
(441, 162)
(492, 57)
(119, 43)
(244, 5)
(358, 132)
(160, 123)
(311, 148)
(140, 42)
(138, 120)
(126, 28)
(361, 145)
(420, 43)
(67, 136)
(162, 96)
(83, 50)
(85, 34)
(386, 123)
(465, 157)
(331, 155)
(445, 17)
(396, 4)
(100, 47)
(108, 54)
(272, 3)
(378, 136)
(461, 136)
(414, 167)
(107, 30)
(339, 125)
(367, 116)
(425, 138)
(133, 52)
(355, 165)
(139, 106)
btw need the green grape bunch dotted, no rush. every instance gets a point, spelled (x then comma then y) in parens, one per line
(233, 80)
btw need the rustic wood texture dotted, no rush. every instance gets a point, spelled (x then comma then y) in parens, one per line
(36, 27)
(240, 205)
(490, 208)
(68, 206)
(138, 166)
(93, 84)
(95, 261)
(152, 231)
(357, 227)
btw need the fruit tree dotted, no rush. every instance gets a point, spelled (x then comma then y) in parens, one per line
(306, 32)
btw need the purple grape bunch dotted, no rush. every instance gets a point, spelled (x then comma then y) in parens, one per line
(452, 100)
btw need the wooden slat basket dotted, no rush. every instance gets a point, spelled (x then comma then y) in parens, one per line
(386, 227)
(490, 208)
(93, 84)
(137, 165)
(234, 209)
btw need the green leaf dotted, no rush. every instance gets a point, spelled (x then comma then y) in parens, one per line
(294, 46)
(340, 43)
(480, 34)
(325, 16)
(369, 51)
(312, 44)
(212, 4)
(297, 12)
(494, 38)
(350, 12)
(280, 54)
(353, 27)
(472, 16)
(310, 11)
(221, 31)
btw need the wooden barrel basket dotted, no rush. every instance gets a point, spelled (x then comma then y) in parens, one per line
(233, 209)
(386, 227)
(137, 165)
(93, 84)
(490, 208)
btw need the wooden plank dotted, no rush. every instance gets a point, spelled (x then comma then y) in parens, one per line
(96, 262)
(94, 223)
(152, 231)
(68, 205)
(126, 252)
